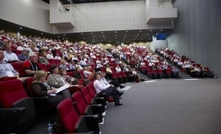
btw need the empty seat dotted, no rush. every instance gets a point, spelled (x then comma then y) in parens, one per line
(72, 122)
(12, 95)
(84, 109)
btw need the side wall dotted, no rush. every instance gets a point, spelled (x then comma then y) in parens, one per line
(29, 13)
(197, 32)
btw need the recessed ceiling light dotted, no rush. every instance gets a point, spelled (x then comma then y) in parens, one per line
(126, 31)
(115, 31)
(94, 36)
(102, 32)
(20, 27)
(42, 33)
(58, 36)
(125, 35)
(91, 32)
(137, 34)
(82, 33)
(161, 30)
(140, 30)
(151, 30)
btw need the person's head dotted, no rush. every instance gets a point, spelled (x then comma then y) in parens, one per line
(1, 55)
(2, 32)
(78, 69)
(7, 45)
(63, 62)
(85, 68)
(32, 46)
(54, 69)
(25, 52)
(63, 72)
(103, 74)
(98, 76)
(33, 58)
(44, 54)
(40, 76)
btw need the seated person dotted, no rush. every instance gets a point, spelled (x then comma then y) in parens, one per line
(78, 76)
(135, 75)
(98, 66)
(31, 67)
(108, 72)
(88, 74)
(9, 55)
(63, 65)
(41, 88)
(103, 88)
(195, 71)
(24, 55)
(112, 82)
(175, 72)
(68, 78)
(55, 79)
(117, 69)
(43, 59)
(6, 69)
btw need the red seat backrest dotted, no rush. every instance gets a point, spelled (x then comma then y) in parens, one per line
(28, 84)
(81, 104)
(67, 115)
(86, 95)
(91, 89)
(19, 68)
(10, 92)
(43, 67)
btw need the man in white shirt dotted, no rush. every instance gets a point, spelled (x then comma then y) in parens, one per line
(112, 82)
(106, 88)
(6, 69)
(9, 55)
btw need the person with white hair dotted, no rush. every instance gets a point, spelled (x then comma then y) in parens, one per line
(30, 66)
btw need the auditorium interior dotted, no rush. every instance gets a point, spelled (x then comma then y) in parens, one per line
(110, 66)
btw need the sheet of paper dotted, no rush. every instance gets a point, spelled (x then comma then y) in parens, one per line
(62, 88)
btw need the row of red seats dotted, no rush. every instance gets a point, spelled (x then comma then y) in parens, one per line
(19, 111)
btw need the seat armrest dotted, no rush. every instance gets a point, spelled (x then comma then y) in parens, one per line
(10, 117)
(30, 111)
(92, 123)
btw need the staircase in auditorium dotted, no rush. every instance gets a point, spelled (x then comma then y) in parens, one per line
(181, 74)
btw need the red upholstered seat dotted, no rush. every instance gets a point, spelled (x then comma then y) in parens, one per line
(19, 68)
(43, 67)
(84, 109)
(28, 84)
(10, 92)
(12, 95)
(72, 122)
(68, 115)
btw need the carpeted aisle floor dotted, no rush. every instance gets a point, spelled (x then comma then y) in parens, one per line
(167, 107)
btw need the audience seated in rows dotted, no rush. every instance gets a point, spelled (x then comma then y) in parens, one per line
(185, 64)
(41, 88)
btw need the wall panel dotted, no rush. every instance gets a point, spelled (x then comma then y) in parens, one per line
(197, 32)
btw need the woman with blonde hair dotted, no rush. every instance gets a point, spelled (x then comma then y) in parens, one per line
(41, 88)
